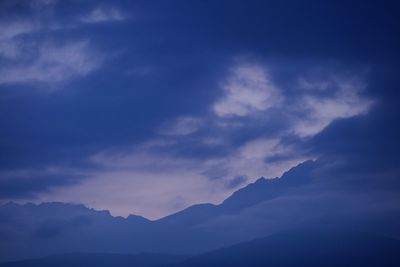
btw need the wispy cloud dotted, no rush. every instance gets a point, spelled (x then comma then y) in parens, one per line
(156, 184)
(12, 29)
(52, 63)
(166, 179)
(147, 183)
(345, 101)
(102, 14)
(182, 126)
(47, 61)
(9, 33)
(30, 56)
(247, 89)
(249, 92)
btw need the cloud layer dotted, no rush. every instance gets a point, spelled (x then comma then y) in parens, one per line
(175, 104)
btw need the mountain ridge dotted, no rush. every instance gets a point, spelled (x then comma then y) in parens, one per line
(260, 185)
(262, 208)
(303, 247)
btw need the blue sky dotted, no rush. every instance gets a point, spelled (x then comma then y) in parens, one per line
(148, 108)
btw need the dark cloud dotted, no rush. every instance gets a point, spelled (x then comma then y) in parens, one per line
(157, 62)
(28, 184)
(368, 142)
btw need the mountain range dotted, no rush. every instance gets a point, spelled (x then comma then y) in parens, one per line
(297, 202)
(312, 249)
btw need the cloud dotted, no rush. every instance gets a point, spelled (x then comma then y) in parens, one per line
(148, 184)
(31, 50)
(53, 63)
(102, 14)
(237, 181)
(368, 143)
(23, 184)
(155, 184)
(12, 29)
(182, 126)
(252, 159)
(250, 92)
(9, 33)
(345, 101)
(193, 158)
(225, 120)
(248, 89)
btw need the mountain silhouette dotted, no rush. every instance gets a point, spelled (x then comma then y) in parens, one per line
(295, 248)
(261, 190)
(298, 199)
(305, 248)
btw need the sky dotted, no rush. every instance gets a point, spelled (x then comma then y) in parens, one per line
(148, 107)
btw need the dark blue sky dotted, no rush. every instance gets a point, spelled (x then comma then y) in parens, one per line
(147, 107)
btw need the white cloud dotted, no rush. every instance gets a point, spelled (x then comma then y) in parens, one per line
(248, 89)
(182, 126)
(154, 185)
(33, 58)
(148, 182)
(250, 159)
(53, 63)
(141, 182)
(102, 14)
(13, 29)
(345, 102)
(9, 33)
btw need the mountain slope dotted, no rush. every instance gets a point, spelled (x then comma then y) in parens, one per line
(30, 230)
(311, 249)
(306, 195)
(261, 190)
(296, 248)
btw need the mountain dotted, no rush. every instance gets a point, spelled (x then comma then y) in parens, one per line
(305, 196)
(296, 248)
(31, 230)
(254, 193)
(311, 249)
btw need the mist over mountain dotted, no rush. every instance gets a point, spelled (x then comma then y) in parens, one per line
(300, 199)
